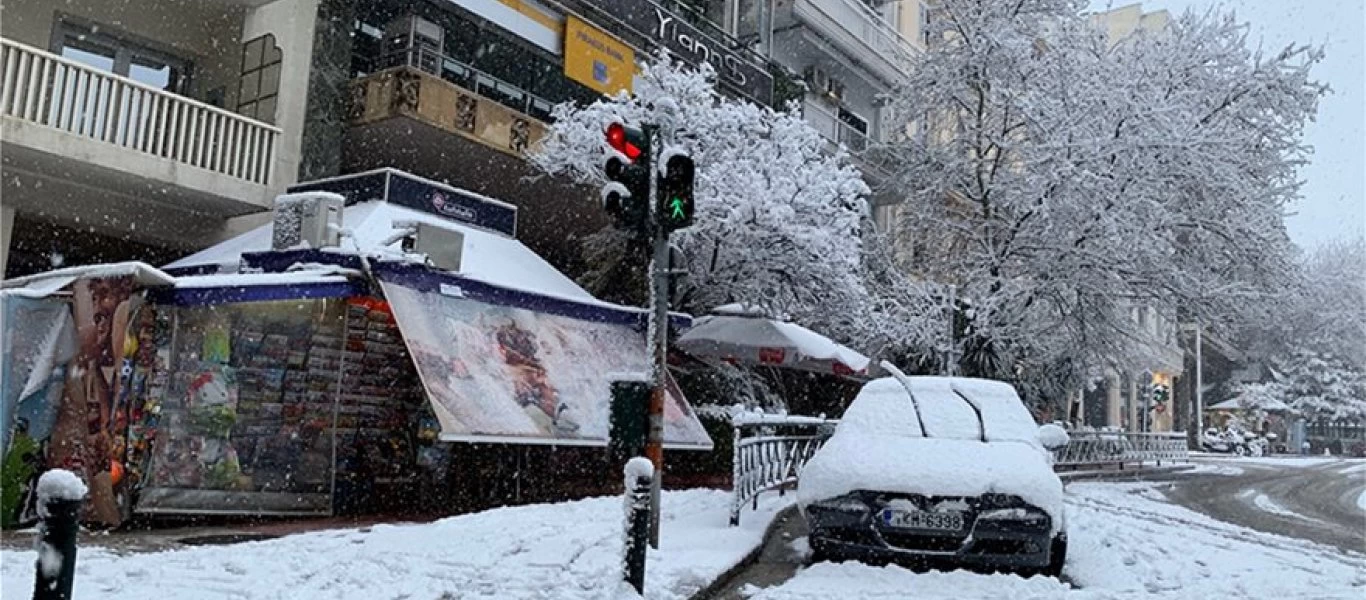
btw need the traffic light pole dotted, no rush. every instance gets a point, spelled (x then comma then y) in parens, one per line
(659, 336)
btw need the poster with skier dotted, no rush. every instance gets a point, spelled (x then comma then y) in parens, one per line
(502, 373)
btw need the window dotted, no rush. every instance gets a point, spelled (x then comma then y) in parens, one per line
(259, 85)
(92, 46)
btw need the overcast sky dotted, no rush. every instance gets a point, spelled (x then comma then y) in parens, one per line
(1334, 204)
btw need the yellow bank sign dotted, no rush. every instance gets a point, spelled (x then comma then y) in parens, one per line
(596, 59)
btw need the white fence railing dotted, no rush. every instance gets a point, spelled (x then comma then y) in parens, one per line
(770, 454)
(46, 89)
(1099, 448)
(829, 125)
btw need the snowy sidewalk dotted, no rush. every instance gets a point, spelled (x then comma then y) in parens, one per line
(566, 551)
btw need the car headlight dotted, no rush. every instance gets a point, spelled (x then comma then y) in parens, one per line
(848, 504)
(1001, 501)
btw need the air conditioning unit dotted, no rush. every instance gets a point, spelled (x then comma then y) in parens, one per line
(816, 79)
(835, 90)
(444, 247)
(307, 220)
(819, 82)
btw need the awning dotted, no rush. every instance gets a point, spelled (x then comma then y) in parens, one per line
(51, 282)
(527, 369)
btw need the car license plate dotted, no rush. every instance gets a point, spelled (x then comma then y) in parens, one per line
(918, 519)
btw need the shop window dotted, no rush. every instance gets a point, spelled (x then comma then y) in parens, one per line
(94, 46)
(259, 85)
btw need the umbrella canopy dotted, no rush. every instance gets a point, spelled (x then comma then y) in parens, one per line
(756, 340)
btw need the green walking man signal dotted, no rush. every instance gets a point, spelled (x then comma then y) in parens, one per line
(675, 193)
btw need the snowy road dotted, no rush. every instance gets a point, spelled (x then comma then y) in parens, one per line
(1311, 498)
(1128, 541)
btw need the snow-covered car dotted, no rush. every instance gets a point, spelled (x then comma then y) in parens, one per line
(937, 471)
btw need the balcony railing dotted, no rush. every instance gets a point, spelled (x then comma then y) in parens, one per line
(470, 78)
(860, 25)
(48, 90)
(829, 124)
(406, 91)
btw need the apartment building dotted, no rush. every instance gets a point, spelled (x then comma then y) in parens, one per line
(139, 129)
(147, 129)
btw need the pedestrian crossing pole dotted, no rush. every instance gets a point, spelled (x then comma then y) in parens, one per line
(659, 303)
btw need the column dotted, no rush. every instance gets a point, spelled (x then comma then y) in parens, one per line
(1113, 416)
(1135, 406)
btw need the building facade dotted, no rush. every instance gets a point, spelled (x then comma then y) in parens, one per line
(144, 130)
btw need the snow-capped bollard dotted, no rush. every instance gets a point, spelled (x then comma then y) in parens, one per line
(60, 496)
(639, 475)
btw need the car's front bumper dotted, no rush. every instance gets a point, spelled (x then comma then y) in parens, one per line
(986, 544)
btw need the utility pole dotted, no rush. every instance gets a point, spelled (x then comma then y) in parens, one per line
(1199, 380)
(659, 335)
(651, 202)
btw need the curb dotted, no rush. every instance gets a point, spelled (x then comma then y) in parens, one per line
(709, 592)
(1119, 475)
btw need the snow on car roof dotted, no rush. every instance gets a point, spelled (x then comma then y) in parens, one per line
(949, 408)
(880, 445)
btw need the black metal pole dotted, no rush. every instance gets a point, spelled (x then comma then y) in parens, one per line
(638, 484)
(56, 565)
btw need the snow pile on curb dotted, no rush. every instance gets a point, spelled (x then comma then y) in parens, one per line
(569, 551)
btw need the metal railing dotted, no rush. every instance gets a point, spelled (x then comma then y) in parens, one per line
(766, 458)
(461, 74)
(829, 125)
(769, 454)
(48, 90)
(864, 24)
(1101, 448)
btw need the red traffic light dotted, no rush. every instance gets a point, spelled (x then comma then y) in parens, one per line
(616, 138)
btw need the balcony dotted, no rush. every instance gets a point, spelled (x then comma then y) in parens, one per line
(107, 145)
(453, 97)
(827, 122)
(858, 31)
(438, 118)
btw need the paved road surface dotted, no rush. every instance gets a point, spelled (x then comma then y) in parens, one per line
(1313, 499)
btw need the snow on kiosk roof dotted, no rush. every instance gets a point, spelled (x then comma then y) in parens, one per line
(488, 257)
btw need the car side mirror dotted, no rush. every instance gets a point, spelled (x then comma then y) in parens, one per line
(1052, 437)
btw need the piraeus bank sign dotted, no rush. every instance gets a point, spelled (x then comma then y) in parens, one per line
(690, 44)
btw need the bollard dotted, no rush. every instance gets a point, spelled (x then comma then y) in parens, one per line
(60, 497)
(640, 473)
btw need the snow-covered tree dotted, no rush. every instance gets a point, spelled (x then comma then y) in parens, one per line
(1060, 178)
(1322, 386)
(778, 214)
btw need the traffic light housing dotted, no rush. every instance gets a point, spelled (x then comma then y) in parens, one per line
(675, 202)
(626, 164)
